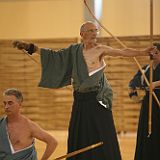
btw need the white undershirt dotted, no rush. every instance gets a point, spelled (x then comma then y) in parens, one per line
(95, 71)
(100, 68)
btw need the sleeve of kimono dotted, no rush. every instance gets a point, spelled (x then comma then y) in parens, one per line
(56, 68)
(136, 80)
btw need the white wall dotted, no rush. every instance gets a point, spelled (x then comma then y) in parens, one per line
(130, 17)
(62, 18)
(40, 18)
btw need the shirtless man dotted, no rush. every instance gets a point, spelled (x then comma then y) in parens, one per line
(91, 118)
(18, 132)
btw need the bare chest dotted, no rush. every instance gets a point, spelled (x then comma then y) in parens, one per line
(92, 59)
(18, 134)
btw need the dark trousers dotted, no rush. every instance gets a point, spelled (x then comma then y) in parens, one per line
(148, 147)
(91, 123)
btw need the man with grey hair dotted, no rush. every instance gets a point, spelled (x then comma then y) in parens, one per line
(17, 132)
(82, 65)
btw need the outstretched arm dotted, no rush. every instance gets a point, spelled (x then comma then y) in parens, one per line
(29, 47)
(51, 143)
(127, 52)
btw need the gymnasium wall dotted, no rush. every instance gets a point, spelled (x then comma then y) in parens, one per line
(36, 19)
(51, 107)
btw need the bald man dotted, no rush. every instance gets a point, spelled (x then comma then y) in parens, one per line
(82, 65)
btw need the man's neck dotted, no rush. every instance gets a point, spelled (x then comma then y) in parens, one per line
(87, 46)
(13, 118)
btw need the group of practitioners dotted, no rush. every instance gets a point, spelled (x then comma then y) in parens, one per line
(81, 65)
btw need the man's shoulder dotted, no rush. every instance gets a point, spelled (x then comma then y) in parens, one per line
(29, 122)
(26, 119)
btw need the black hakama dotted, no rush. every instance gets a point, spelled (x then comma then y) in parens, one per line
(92, 123)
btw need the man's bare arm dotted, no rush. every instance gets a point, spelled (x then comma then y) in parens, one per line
(51, 143)
(127, 52)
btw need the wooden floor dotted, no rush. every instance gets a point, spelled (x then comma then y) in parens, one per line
(127, 145)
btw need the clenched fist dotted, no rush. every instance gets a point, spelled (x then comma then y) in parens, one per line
(20, 45)
(29, 47)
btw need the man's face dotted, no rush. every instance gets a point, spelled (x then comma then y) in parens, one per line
(156, 57)
(11, 105)
(89, 33)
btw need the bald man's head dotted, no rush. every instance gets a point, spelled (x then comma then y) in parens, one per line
(86, 24)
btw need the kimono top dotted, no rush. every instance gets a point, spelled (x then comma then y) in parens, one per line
(5, 149)
(67, 66)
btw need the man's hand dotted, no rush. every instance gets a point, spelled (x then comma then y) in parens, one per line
(151, 51)
(155, 84)
(20, 45)
(29, 47)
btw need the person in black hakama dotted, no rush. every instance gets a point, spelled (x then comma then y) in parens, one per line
(82, 65)
(148, 147)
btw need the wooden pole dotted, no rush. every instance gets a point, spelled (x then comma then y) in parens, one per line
(151, 72)
(80, 151)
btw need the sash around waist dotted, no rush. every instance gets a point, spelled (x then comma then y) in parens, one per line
(85, 95)
(28, 152)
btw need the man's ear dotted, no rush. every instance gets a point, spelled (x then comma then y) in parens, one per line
(81, 34)
(20, 104)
